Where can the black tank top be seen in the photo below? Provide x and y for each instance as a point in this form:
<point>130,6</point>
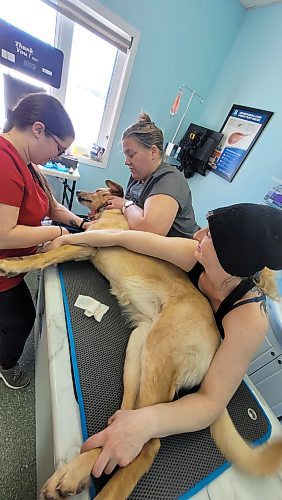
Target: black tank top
<point>229,302</point>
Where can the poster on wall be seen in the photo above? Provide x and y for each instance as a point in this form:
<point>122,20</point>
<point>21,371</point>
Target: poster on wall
<point>29,55</point>
<point>241,130</point>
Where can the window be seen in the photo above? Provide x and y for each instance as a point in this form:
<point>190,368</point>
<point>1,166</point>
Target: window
<point>98,57</point>
<point>89,79</point>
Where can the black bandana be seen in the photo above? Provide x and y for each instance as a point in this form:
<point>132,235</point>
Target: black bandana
<point>247,237</point>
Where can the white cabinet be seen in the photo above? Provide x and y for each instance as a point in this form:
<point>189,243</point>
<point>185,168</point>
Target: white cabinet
<point>265,370</point>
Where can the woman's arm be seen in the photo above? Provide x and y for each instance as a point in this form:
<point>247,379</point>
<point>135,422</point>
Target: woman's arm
<point>157,216</point>
<point>178,251</point>
<point>245,328</point>
<point>60,213</point>
<point>129,430</point>
<point>18,236</point>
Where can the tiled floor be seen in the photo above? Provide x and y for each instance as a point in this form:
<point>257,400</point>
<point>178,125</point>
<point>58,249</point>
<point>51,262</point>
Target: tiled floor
<point>17,431</point>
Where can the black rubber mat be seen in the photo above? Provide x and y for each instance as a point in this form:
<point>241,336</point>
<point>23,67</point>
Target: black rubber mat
<point>186,462</point>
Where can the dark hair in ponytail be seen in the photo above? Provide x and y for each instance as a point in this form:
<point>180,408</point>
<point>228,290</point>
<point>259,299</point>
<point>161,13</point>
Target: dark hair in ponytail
<point>146,133</point>
<point>40,107</point>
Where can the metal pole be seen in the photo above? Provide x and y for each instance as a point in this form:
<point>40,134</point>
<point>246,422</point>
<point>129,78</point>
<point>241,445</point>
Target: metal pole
<point>184,114</point>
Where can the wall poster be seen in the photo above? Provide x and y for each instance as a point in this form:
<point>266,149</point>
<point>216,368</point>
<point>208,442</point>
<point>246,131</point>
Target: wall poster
<point>241,130</point>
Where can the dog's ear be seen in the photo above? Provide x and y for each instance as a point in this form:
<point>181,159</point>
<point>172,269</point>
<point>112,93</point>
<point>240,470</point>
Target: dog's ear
<point>115,188</point>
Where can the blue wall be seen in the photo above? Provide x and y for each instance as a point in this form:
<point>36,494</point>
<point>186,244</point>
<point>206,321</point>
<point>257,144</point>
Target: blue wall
<point>251,76</point>
<point>182,42</point>
<point>229,55</point>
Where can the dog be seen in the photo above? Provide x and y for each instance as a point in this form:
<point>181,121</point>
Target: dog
<point>172,344</point>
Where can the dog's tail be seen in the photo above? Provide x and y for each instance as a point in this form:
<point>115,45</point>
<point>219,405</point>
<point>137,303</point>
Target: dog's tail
<point>260,461</point>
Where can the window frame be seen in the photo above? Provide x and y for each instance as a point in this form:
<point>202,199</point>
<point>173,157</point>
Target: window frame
<point>121,73</point>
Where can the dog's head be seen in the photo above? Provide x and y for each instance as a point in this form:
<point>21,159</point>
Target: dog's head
<point>96,200</point>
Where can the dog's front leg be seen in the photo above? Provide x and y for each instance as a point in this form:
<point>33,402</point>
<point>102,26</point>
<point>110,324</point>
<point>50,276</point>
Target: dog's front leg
<point>72,478</point>
<point>17,265</point>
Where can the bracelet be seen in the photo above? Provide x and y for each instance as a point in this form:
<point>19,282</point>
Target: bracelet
<point>61,231</point>
<point>81,224</point>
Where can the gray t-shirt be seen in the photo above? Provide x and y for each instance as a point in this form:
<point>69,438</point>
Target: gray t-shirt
<point>169,181</point>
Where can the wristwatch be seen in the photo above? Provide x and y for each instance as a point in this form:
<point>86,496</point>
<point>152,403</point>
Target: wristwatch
<point>127,204</point>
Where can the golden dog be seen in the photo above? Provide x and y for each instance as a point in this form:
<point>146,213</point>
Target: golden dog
<point>172,345</point>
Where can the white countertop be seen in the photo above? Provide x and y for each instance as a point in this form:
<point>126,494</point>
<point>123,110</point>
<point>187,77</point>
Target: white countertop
<point>230,485</point>
<point>54,172</point>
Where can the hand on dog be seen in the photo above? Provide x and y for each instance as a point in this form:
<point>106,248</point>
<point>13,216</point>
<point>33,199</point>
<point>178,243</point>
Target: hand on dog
<point>121,441</point>
<point>90,224</point>
<point>56,243</point>
<point>115,202</point>
<point>93,215</point>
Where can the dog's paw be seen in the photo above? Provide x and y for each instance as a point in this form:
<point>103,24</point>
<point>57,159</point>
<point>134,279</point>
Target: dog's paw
<point>64,483</point>
<point>8,267</point>
<point>72,478</point>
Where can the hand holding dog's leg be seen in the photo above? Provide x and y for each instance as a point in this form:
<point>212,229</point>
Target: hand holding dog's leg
<point>125,479</point>
<point>121,441</point>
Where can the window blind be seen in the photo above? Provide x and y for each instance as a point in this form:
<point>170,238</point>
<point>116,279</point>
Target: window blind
<point>80,13</point>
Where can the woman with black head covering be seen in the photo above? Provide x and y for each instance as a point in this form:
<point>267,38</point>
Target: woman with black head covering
<point>229,261</point>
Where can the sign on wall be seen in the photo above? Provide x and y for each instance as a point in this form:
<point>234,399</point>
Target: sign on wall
<point>241,130</point>
<point>27,54</point>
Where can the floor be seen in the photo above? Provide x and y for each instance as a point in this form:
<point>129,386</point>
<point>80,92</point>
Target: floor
<point>17,434</point>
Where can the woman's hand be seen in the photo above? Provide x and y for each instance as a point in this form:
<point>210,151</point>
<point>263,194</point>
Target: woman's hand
<point>89,225</point>
<point>56,243</point>
<point>121,441</point>
<point>115,202</point>
<point>93,215</point>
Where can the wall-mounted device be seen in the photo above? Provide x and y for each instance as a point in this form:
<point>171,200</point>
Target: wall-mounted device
<point>197,145</point>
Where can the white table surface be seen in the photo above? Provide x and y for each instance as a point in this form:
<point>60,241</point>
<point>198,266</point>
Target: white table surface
<point>54,172</point>
<point>230,485</point>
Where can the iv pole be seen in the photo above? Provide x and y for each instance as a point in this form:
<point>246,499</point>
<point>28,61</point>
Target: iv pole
<point>174,109</point>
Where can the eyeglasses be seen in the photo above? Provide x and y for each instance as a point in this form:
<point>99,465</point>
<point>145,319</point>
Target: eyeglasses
<point>61,151</point>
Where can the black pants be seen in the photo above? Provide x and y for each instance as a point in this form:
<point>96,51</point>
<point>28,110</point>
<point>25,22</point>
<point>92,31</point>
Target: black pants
<point>17,315</point>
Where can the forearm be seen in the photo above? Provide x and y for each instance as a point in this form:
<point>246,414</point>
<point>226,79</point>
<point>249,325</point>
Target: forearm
<point>94,238</point>
<point>60,213</point>
<point>137,241</point>
<point>188,414</point>
<point>178,251</point>
<point>138,221</point>
<point>157,216</point>
<point>135,218</point>
<point>26,236</point>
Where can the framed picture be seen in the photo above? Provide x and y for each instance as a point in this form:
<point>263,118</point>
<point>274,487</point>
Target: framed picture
<point>241,130</point>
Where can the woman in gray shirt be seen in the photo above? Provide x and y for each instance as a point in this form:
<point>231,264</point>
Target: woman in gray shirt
<point>158,198</point>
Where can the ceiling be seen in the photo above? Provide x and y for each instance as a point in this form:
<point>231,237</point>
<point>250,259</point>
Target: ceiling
<point>258,3</point>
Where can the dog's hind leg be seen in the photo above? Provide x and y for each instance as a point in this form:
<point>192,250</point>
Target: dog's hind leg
<point>14,266</point>
<point>73,477</point>
<point>156,385</point>
<point>132,365</point>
